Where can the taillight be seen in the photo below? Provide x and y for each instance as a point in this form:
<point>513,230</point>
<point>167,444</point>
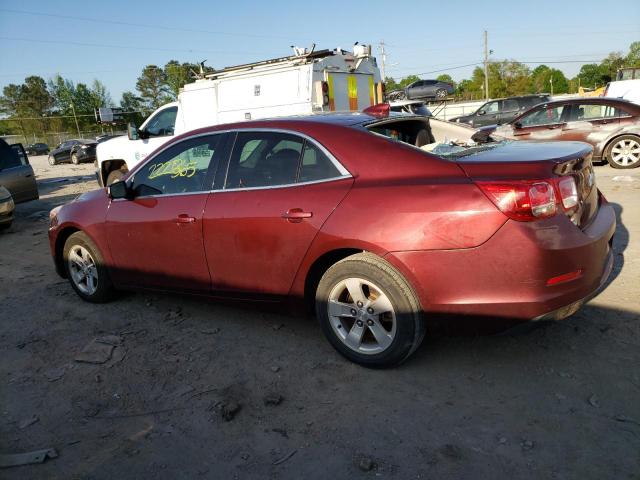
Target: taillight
<point>568,192</point>
<point>529,200</point>
<point>524,201</point>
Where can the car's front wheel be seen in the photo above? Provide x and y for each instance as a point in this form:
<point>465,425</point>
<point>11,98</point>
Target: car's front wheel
<point>86,270</point>
<point>624,152</point>
<point>368,312</point>
<point>441,94</point>
<point>52,160</point>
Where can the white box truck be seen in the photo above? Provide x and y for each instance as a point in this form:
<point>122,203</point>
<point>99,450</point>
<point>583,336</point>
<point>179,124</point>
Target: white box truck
<point>304,83</point>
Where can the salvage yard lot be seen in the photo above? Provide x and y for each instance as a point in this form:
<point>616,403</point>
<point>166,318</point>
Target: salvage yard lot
<point>197,389</point>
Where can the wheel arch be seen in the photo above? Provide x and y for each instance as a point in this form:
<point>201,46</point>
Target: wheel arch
<point>607,144</point>
<point>61,239</point>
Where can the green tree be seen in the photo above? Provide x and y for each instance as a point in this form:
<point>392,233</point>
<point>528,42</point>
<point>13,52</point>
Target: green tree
<point>611,64</point>
<point>445,78</point>
<point>591,75</point>
<point>633,57</point>
<point>133,106</point>
<point>100,94</point>
<point>152,85</point>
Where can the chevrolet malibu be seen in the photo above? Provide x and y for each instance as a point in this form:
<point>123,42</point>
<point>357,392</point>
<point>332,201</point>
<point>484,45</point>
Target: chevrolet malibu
<point>376,222</point>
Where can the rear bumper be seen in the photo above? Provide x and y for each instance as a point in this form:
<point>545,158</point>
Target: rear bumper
<point>507,275</point>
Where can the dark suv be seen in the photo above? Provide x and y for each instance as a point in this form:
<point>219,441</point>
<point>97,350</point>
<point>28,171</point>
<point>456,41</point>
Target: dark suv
<point>502,110</point>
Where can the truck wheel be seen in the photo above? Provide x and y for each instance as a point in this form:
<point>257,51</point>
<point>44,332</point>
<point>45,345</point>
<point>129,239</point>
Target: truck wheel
<point>624,152</point>
<point>114,176</point>
<point>74,158</point>
<point>368,311</point>
<point>52,160</point>
<point>86,270</point>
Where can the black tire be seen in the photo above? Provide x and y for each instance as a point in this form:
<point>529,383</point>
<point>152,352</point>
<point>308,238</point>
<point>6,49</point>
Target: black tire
<point>632,139</point>
<point>52,160</point>
<point>410,324</point>
<point>74,158</point>
<point>5,226</point>
<point>114,176</point>
<point>441,94</point>
<point>104,288</point>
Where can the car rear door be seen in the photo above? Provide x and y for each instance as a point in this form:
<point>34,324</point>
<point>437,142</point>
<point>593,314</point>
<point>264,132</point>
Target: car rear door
<point>590,120</point>
<point>508,110</point>
<point>267,207</point>
<point>155,239</point>
<point>16,175</point>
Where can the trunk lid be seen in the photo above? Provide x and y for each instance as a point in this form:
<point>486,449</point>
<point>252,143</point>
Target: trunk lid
<point>538,161</point>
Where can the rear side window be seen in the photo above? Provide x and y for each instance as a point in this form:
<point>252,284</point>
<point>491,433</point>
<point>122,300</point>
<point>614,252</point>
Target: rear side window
<point>271,159</point>
<point>593,112</point>
<point>10,156</point>
<point>510,105</point>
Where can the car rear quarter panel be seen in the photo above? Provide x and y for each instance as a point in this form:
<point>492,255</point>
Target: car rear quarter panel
<point>403,200</point>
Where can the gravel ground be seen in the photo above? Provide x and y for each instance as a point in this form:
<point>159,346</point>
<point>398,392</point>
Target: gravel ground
<point>196,389</point>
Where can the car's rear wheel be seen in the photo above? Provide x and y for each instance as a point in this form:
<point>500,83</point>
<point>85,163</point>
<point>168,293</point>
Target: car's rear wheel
<point>5,226</point>
<point>624,152</point>
<point>368,312</point>
<point>85,268</point>
<point>114,176</point>
<point>52,160</point>
<point>441,93</point>
<point>74,158</point>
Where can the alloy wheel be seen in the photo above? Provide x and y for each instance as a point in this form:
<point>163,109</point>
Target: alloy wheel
<point>626,152</point>
<point>83,270</point>
<point>362,316</point>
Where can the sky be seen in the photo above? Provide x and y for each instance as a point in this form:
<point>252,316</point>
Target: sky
<point>112,41</point>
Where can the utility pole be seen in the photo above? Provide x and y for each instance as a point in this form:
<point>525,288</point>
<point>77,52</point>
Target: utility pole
<point>551,82</point>
<point>486,67</point>
<point>75,118</point>
<point>384,60</point>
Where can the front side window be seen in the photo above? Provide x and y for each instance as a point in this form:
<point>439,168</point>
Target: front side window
<point>181,168</point>
<point>491,107</point>
<point>162,123</point>
<point>270,159</point>
<point>593,112</point>
<point>10,156</point>
<point>544,115</point>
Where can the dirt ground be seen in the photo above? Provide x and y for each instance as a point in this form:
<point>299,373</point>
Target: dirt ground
<point>196,389</point>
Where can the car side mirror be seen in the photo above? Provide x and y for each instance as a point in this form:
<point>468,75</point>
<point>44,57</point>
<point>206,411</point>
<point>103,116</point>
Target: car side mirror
<point>119,189</point>
<point>132,131</point>
<point>517,125</point>
<point>481,112</point>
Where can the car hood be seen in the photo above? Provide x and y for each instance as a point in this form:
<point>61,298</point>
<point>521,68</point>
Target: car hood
<point>112,148</point>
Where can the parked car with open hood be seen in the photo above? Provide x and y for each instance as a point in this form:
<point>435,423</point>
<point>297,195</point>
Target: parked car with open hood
<point>610,125</point>
<point>75,151</point>
<point>347,215</point>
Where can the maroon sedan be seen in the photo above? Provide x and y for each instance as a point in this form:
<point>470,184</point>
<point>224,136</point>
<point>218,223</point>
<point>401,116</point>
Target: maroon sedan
<point>344,214</point>
<point>610,125</point>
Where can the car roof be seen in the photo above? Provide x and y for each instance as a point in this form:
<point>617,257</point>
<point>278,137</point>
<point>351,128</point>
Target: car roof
<point>596,101</point>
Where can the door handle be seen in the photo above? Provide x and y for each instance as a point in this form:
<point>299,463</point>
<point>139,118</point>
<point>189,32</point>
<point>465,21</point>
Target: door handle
<point>184,218</point>
<point>295,215</point>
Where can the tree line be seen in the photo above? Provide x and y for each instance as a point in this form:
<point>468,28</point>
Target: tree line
<point>510,77</point>
<point>37,106</point>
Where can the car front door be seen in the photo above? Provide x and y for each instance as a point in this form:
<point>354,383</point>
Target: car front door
<point>487,114</point>
<point>276,193</point>
<point>155,239</point>
<point>16,175</point>
<point>543,123</point>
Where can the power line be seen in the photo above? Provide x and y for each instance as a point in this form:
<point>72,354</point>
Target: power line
<point>124,47</point>
<point>142,25</point>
